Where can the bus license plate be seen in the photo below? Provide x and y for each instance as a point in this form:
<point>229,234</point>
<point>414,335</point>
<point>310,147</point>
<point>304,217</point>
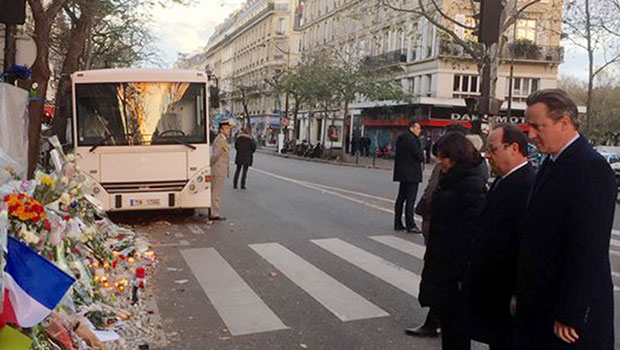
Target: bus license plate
<point>144,202</point>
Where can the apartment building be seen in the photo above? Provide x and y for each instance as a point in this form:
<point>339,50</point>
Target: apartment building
<point>247,53</point>
<point>431,67</point>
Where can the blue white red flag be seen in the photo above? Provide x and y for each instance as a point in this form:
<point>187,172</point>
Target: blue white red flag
<point>33,286</point>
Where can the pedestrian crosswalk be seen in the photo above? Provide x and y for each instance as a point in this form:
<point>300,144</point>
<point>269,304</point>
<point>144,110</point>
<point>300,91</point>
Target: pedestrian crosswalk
<point>244,312</point>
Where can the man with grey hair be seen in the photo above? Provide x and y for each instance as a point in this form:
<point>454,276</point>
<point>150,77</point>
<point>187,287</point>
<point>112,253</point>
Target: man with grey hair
<point>565,291</point>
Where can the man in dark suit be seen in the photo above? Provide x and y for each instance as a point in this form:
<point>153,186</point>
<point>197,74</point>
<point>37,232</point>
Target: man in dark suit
<point>565,290</point>
<point>494,280</point>
<point>408,171</point>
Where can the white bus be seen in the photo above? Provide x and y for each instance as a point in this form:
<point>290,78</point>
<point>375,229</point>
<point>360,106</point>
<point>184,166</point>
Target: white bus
<point>142,135</point>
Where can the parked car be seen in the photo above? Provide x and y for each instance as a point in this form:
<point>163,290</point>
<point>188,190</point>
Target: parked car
<point>614,161</point>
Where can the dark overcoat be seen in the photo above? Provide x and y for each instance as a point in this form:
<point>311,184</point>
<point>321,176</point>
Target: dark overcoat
<point>564,272</point>
<point>456,203</point>
<point>245,146</point>
<point>408,158</point>
<point>497,240</point>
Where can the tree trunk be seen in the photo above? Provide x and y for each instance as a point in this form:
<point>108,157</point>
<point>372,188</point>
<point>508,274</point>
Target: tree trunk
<point>40,75</point>
<point>77,43</point>
<point>590,68</point>
<point>295,112</point>
<point>345,131</point>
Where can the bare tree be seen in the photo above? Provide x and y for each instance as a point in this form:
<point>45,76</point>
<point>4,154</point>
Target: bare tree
<point>43,17</point>
<point>594,26</point>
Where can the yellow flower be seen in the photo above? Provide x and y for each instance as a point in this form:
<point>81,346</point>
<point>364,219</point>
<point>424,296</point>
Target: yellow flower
<point>46,180</point>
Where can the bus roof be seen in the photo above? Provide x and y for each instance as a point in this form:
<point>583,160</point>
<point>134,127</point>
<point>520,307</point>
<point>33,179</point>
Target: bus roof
<point>116,75</point>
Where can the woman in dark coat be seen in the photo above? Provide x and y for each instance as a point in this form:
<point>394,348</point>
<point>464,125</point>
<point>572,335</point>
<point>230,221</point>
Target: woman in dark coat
<point>245,146</point>
<point>456,203</point>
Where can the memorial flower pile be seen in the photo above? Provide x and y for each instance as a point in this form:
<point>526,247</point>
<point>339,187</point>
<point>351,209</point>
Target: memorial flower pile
<point>108,266</point>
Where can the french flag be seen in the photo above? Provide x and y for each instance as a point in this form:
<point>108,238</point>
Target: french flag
<point>33,286</point>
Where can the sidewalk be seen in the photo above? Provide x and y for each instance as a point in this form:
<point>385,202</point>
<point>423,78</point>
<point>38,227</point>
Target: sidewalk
<point>363,162</point>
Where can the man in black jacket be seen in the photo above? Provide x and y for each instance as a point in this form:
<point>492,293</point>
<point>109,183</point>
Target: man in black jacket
<point>245,146</point>
<point>565,290</point>
<point>494,280</point>
<point>408,171</point>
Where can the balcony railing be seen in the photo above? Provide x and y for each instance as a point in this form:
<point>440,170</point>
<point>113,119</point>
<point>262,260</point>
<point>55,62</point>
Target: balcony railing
<point>387,59</point>
<point>523,51</point>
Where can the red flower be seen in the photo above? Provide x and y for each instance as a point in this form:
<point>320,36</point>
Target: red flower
<point>140,272</point>
<point>121,236</point>
<point>47,224</point>
<point>114,264</point>
<point>67,217</point>
<point>75,250</point>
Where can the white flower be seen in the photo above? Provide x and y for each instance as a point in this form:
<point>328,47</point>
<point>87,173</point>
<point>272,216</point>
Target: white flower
<point>29,236</point>
<point>64,180</point>
<point>75,266</point>
<point>65,199</point>
<point>70,158</point>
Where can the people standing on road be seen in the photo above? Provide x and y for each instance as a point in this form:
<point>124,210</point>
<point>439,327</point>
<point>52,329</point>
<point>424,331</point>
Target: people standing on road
<point>431,326</point>
<point>245,147</point>
<point>455,206</point>
<point>497,240</point>
<point>565,290</point>
<point>366,146</point>
<point>355,144</point>
<point>408,172</point>
<point>219,168</point>
<point>428,146</point>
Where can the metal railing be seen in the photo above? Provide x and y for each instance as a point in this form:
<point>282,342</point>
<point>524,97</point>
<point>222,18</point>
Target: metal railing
<point>522,51</point>
<point>386,59</point>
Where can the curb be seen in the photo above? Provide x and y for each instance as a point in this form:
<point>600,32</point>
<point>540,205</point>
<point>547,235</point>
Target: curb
<point>289,156</point>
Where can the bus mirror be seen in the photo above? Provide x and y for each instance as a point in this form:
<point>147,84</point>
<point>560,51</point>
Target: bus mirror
<point>214,97</point>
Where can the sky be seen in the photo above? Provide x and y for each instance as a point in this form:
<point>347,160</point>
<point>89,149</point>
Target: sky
<point>186,29</point>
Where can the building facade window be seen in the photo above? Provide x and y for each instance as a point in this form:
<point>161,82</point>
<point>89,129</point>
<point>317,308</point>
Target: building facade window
<point>526,30</point>
<point>465,85</point>
<point>522,88</point>
<point>281,26</point>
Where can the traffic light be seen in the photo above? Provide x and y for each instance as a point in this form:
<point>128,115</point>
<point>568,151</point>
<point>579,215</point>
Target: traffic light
<point>12,11</point>
<point>489,21</point>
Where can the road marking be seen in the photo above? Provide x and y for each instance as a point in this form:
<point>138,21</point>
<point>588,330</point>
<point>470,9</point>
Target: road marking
<point>402,245</point>
<point>181,243</point>
<point>361,194</point>
<point>395,275</point>
<point>328,190</point>
<point>240,308</point>
<point>336,297</point>
<point>196,229</point>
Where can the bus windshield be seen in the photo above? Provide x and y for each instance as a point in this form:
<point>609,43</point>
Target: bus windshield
<point>140,113</point>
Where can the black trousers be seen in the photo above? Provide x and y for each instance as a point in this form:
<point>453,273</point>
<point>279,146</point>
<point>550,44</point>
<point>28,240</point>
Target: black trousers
<point>243,176</point>
<point>407,193</point>
<point>454,334</point>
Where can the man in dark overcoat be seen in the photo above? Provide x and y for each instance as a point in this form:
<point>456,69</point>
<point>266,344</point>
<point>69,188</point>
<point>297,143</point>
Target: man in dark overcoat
<point>494,277</point>
<point>408,172</point>
<point>565,289</point>
<point>245,147</point>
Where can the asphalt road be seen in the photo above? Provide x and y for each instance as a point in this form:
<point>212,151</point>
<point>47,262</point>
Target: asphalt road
<point>306,260</point>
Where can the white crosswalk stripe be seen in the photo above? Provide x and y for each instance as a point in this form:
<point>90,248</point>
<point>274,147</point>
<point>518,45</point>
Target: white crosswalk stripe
<point>402,245</point>
<point>337,298</point>
<point>240,308</point>
<point>244,312</point>
<point>395,275</point>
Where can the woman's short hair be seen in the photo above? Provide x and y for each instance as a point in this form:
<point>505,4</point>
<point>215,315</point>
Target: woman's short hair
<point>456,147</point>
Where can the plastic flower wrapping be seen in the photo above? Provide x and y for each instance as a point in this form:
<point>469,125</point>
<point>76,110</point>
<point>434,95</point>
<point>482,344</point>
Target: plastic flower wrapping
<point>55,217</point>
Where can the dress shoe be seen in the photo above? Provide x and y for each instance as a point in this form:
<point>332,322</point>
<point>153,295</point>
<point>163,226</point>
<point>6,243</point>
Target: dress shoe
<point>235,187</point>
<point>217,218</point>
<point>414,230</point>
<point>243,187</point>
<point>422,331</point>
<point>399,228</point>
